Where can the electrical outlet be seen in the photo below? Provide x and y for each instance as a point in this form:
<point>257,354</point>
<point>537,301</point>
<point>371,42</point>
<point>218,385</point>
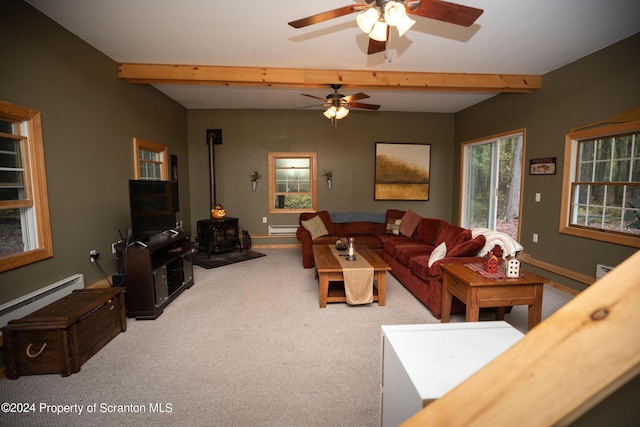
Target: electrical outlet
<point>537,197</point>
<point>93,255</point>
<point>535,238</point>
<point>264,219</point>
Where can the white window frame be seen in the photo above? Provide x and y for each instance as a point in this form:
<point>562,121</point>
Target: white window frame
<point>572,141</point>
<point>494,141</point>
<point>159,150</point>
<point>312,156</point>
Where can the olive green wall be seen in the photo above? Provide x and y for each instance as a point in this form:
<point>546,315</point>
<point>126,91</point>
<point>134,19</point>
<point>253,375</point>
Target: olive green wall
<point>591,89</point>
<point>348,151</point>
<point>90,117</point>
<point>89,120</point>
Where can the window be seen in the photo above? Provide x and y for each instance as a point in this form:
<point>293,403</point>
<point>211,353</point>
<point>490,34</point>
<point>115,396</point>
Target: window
<point>491,183</point>
<point>25,230</point>
<point>601,184</point>
<point>292,182</point>
<point>150,160</point>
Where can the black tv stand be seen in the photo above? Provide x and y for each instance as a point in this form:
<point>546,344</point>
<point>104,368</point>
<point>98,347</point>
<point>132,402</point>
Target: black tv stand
<point>155,271</point>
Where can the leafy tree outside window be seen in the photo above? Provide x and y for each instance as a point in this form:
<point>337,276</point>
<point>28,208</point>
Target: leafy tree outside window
<point>491,183</point>
<point>292,182</point>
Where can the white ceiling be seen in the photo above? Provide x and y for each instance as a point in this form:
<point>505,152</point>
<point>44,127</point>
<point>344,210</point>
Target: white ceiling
<point>510,37</point>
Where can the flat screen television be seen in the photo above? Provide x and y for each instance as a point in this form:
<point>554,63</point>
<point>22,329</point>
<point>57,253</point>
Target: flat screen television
<point>152,208</point>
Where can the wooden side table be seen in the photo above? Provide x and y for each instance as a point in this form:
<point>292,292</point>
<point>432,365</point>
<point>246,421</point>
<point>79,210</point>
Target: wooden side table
<point>478,291</point>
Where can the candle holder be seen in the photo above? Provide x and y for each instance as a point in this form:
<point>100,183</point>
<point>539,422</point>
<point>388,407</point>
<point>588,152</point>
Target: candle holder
<point>351,254</point>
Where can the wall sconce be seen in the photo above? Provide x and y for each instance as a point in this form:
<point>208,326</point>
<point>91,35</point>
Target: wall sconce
<point>328,175</point>
<point>255,176</point>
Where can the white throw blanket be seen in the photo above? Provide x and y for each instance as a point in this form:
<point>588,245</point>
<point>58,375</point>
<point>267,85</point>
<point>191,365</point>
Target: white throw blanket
<point>508,244</point>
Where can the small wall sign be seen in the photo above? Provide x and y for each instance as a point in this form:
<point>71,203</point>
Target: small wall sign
<point>542,166</point>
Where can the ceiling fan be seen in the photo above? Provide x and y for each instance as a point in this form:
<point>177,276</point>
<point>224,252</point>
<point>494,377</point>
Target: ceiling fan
<point>377,16</point>
<point>338,104</point>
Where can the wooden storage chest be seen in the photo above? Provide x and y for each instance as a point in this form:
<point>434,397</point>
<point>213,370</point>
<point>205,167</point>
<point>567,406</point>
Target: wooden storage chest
<point>62,336</point>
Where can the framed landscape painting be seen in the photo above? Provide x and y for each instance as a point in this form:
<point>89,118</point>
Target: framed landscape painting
<point>402,171</point>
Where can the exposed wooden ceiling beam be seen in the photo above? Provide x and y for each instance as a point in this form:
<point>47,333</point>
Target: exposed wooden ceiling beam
<point>298,77</point>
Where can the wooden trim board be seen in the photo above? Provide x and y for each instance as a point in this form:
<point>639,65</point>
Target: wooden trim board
<point>299,77</point>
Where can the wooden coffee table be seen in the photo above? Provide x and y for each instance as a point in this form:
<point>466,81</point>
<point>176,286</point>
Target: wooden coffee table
<point>478,291</point>
<point>329,273</point>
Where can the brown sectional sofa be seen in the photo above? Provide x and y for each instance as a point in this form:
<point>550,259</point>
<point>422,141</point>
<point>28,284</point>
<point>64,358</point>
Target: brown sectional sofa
<point>408,254</point>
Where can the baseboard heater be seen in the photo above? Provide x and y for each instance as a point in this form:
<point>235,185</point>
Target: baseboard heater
<point>27,304</point>
<point>282,230</point>
<point>601,270</point>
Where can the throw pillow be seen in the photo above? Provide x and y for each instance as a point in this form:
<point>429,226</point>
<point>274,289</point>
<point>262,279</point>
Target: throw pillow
<point>393,226</point>
<point>438,253</point>
<point>468,248</point>
<point>453,235</point>
<point>409,223</point>
<point>315,226</point>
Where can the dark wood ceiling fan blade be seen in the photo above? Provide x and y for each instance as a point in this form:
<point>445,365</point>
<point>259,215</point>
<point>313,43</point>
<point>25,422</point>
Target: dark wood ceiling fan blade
<point>375,46</point>
<point>354,97</point>
<point>447,12</point>
<point>325,16</point>
<point>364,106</point>
<point>314,97</point>
<point>310,106</point>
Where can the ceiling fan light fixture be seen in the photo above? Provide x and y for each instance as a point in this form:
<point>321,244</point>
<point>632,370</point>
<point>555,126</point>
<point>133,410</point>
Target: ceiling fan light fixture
<point>379,32</point>
<point>404,25</point>
<point>367,19</point>
<point>330,113</point>
<point>342,112</point>
<point>394,12</point>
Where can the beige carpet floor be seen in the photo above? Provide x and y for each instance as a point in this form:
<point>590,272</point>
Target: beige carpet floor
<point>247,345</point>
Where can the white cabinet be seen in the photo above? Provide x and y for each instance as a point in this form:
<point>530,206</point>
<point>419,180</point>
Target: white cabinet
<point>420,363</point>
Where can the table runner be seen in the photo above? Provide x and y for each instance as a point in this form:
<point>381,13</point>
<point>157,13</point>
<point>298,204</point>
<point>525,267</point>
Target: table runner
<point>358,277</point>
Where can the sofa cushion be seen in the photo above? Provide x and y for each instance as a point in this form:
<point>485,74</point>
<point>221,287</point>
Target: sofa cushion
<point>404,253</point>
<point>429,229</point>
<point>391,243</point>
<point>356,228</point>
<point>366,239</point>
<point>409,223</point>
<point>420,267</point>
<point>395,214</point>
<point>453,235</point>
<point>315,226</point>
<point>468,248</point>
